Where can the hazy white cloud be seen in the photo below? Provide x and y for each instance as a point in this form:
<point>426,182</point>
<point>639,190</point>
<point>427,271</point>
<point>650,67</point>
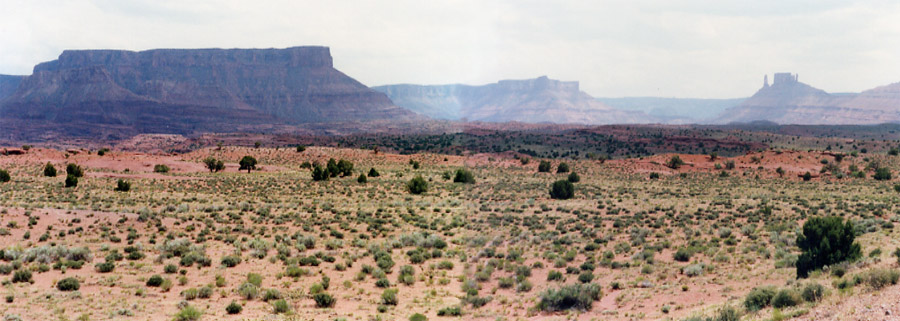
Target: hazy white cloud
<point>690,48</point>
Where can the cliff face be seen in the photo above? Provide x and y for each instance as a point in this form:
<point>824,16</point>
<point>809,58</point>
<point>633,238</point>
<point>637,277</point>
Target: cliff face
<point>788,101</point>
<point>224,86</point>
<point>537,100</point>
<point>8,85</point>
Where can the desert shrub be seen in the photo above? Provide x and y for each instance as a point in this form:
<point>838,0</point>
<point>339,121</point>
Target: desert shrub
<point>785,298</point>
<point>882,174</point>
<point>544,166</point>
<point>155,281</point>
<point>4,176</point>
<point>248,163</point>
<point>362,179</point>
<point>682,255</point>
<point>190,294</point>
<point>49,170</point>
<point>464,176</point>
<point>231,260</point>
<point>418,317</point>
<point>729,165</point>
<point>554,276</point>
<point>21,276</point>
<point>105,267</point>
<point>254,279</point>
<point>271,294</point>
<point>205,292</point>
<point>759,298</point>
<point>160,168</point>
<point>880,278</point>
<point>453,311</point>
<point>248,291</point>
<point>574,178</point>
<point>726,314</point>
<point>675,162</point>
<point>234,308</point>
<point>562,189</point>
<point>389,297</point>
<point>373,172</point>
<point>122,186</point>
<point>578,296</point>
<point>344,167</point>
<point>280,306</point>
<point>693,270</point>
<point>324,300</point>
<point>813,292</point>
<point>654,175</point>
<point>74,170</point>
<point>68,284</point>
<point>71,181</point>
<point>562,168</point>
<point>825,241</point>
<point>188,313</point>
<point>417,185</point>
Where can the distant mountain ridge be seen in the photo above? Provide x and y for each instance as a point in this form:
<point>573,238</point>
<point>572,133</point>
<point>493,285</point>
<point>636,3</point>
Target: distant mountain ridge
<point>539,100</point>
<point>789,101</point>
<point>188,90</point>
<point>675,110</point>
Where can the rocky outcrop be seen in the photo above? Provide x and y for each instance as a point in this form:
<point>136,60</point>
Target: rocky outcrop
<point>789,101</point>
<point>8,85</point>
<point>178,90</point>
<point>539,100</point>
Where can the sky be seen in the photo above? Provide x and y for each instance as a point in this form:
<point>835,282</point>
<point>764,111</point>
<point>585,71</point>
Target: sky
<point>614,48</point>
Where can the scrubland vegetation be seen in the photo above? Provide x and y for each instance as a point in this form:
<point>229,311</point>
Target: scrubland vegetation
<point>352,234</point>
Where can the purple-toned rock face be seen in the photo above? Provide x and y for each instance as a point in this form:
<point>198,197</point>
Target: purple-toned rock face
<point>196,89</point>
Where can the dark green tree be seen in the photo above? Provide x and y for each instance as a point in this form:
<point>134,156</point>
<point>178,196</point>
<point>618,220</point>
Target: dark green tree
<point>544,167</point>
<point>248,163</point>
<point>74,169</point>
<point>825,241</point>
<point>464,176</point>
<point>211,163</point>
<point>345,167</point>
<point>362,179</point>
<point>562,190</point>
<point>807,176</point>
<point>562,168</point>
<point>675,162</point>
<point>882,174</point>
<point>373,172</point>
<point>319,173</point>
<point>332,168</point>
<point>574,178</point>
<point>122,186</point>
<point>417,185</point>
<point>71,180</point>
<point>4,176</point>
<point>301,148</point>
<point>49,170</point>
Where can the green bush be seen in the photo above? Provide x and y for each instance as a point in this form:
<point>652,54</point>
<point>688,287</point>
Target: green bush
<point>21,276</point>
<point>880,278</point>
<point>71,180</point>
<point>562,168</point>
<point>813,292</point>
<point>759,298</point>
<point>234,308</point>
<point>105,267</point>
<point>49,170</point>
<point>248,163</point>
<point>4,176</point>
<point>882,174</point>
<point>373,172</point>
<point>324,300</point>
<point>578,296</point>
<point>544,167</point>
<point>675,162</point>
<point>280,306</point>
<point>231,260</point>
<point>417,185</point>
<point>188,313</point>
<point>464,176</point>
<point>562,189</point>
<point>68,284</point>
<point>362,179</point>
<point>785,298</point>
<point>453,311</point>
<point>160,168</point>
<point>825,241</point>
<point>682,255</point>
<point>389,297</point>
<point>74,170</point>
<point>418,317</point>
<point>155,281</point>
<point>574,178</point>
<point>122,186</point>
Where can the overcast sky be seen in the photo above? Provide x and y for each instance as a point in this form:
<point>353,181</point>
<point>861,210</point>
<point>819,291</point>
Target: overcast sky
<point>694,48</point>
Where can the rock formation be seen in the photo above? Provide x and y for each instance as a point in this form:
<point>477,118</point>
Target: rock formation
<point>789,101</point>
<point>187,90</point>
<point>539,100</point>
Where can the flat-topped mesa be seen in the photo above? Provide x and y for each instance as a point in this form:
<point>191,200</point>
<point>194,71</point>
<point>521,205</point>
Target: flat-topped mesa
<point>540,83</point>
<point>303,57</point>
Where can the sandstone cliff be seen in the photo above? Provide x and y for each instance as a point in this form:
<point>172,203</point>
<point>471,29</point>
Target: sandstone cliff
<point>8,85</point>
<point>184,90</point>
<point>537,100</point>
<point>789,101</point>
